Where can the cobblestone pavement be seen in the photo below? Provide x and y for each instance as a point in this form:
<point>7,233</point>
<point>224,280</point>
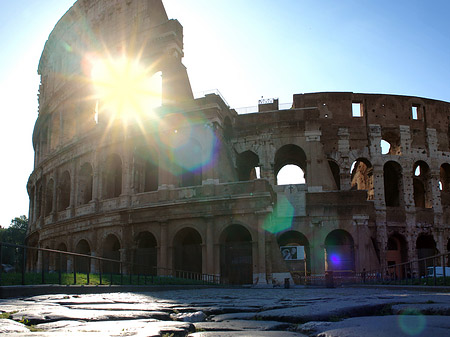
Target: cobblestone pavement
<point>231,312</point>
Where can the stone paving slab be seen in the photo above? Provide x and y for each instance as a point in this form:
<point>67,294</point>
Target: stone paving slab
<point>238,325</point>
<point>247,334</point>
<point>249,312</point>
<point>381,326</point>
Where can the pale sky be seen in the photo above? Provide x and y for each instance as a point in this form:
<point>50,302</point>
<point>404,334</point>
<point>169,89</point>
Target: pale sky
<point>246,49</point>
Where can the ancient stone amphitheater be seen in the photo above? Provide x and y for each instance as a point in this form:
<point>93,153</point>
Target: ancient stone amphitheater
<point>173,182</point>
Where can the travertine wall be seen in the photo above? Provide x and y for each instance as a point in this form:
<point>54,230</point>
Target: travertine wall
<point>182,191</point>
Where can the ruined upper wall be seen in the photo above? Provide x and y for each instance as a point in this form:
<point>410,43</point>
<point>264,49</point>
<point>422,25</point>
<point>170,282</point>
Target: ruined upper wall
<point>388,111</point>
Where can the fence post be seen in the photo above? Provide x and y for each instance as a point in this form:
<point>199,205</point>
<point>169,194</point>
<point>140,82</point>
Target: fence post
<point>434,271</point>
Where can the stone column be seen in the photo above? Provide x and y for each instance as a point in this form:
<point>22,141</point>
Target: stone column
<point>343,148</point>
<point>261,277</point>
<point>209,220</point>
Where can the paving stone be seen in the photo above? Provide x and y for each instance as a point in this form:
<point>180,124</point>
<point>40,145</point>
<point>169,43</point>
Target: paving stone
<point>382,326</point>
<point>10,326</point>
<point>237,325</point>
<point>247,334</point>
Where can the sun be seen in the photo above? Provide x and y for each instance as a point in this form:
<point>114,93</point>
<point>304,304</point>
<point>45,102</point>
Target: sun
<point>125,89</point>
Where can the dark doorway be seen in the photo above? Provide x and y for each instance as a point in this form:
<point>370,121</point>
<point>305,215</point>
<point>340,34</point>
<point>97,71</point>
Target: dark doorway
<point>188,251</point>
<point>145,256</point>
<point>339,251</point>
<point>111,250</point>
<point>426,247</point>
<point>82,264</point>
<point>236,260</point>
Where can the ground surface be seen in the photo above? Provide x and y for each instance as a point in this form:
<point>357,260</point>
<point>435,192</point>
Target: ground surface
<point>231,312</point>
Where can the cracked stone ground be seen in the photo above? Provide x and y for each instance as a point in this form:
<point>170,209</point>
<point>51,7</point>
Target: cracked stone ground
<point>231,312</point>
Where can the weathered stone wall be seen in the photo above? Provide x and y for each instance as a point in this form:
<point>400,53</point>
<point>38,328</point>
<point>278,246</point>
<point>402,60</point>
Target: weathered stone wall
<point>185,186</point>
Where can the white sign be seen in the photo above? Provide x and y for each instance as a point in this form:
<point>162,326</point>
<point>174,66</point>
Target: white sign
<point>293,252</point>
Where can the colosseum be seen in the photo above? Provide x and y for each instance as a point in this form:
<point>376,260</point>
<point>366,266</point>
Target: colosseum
<point>129,165</point>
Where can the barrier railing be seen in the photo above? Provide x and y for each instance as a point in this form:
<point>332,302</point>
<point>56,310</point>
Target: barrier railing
<point>55,267</point>
<point>432,270</point>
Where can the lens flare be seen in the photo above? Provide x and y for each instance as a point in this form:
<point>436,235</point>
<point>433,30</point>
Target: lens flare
<point>125,89</point>
<point>335,259</point>
<point>412,322</point>
<point>284,214</point>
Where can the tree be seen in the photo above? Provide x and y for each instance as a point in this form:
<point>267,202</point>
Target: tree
<point>14,234</point>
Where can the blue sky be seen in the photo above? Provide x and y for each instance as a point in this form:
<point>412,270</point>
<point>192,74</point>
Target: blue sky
<point>245,49</point>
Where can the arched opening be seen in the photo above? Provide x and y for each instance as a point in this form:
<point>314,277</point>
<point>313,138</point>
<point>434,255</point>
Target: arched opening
<point>335,171</point>
<point>444,184</point>
<point>61,259</point>
<point>294,158</point>
<point>426,247</point>
<point>145,256</point>
<point>189,157</point>
<point>294,247</point>
<point>236,259</point>
<point>390,143</point>
<point>227,129</point>
<point>82,264</point>
<point>54,131</point>
<point>64,192</point>
<point>146,165</point>
<point>188,251</point>
<point>39,201</point>
<point>362,176</point>
<point>49,197</point>
<point>339,251</point>
<point>422,185</point>
<point>393,186</point>
<point>85,184</point>
<point>396,253</point>
<point>247,163</point>
<point>112,177</point>
<point>111,250</point>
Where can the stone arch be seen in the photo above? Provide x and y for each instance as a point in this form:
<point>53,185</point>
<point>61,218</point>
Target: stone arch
<point>228,132</point>
<point>396,253</point>
<point>146,255</point>
<point>339,251</point>
<point>49,190</point>
<point>61,259</point>
<point>85,184</point>
<point>236,256</point>
<point>39,197</point>
<point>146,165</point>
<point>392,137</point>
<point>82,264</point>
<point>445,183</point>
<point>393,185</point>
<point>422,185</point>
<point>112,177</point>
<point>190,162</point>
<point>336,172</point>
<point>426,247</point>
<point>295,238</point>
<point>187,245</point>
<point>290,154</point>
<point>111,250</point>
<point>362,176</point>
<point>64,191</point>
<point>247,162</point>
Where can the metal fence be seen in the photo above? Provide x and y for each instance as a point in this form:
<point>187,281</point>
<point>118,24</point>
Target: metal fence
<point>433,270</point>
<point>54,265</point>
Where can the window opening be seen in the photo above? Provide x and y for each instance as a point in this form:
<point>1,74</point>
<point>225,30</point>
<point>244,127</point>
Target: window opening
<point>357,109</point>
